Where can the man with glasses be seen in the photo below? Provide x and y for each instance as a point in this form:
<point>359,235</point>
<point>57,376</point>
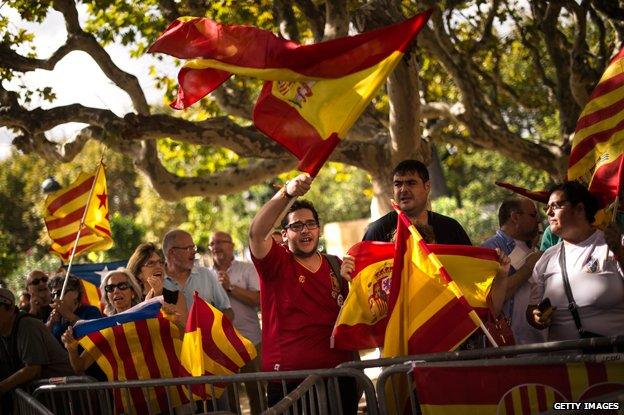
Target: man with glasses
<point>300,294</point>
<point>517,238</point>
<point>37,286</point>
<point>240,280</point>
<point>411,187</point>
<point>183,275</point>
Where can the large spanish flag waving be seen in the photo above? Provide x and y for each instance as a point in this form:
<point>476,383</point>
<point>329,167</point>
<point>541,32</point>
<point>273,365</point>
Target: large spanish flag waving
<point>362,321</point>
<point>212,346</point>
<point>313,94</point>
<point>137,344</point>
<point>596,155</point>
<point>65,209</point>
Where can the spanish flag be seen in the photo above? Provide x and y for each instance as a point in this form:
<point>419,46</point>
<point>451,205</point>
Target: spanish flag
<point>362,321</point>
<point>137,344</point>
<point>65,209</point>
<point>505,387</point>
<point>212,346</point>
<point>596,154</point>
<point>313,94</point>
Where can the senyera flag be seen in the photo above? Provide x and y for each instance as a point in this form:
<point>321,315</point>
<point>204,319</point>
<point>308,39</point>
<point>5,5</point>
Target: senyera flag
<point>313,94</point>
<point>362,321</point>
<point>65,209</point>
<point>138,344</point>
<point>507,387</point>
<point>596,154</point>
<point>90,276</point>
<point>212,346</point>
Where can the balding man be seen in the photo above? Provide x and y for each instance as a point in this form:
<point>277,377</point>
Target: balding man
<point>182,274</point>
<point>240,280</point>
<point>40,297</point>
<point>519,226</point>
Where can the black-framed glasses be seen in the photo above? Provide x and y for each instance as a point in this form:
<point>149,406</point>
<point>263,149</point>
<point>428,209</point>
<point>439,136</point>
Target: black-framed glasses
<point>190,248</point>
<point>111,287</point>
<point>36,281</point>
<point>556,205</point>
<point>57,293</point>
<point>298,226</point>
<point>153,262</point>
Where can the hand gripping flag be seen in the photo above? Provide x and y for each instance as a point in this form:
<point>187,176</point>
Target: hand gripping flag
<point>212,346</point>
<point>596,154</point>
<point>90,276</point>
<point>65,208</point>
<point>137,344</point>
<point>313,94</point>
<point>362,321</point>
<point>513,389</point>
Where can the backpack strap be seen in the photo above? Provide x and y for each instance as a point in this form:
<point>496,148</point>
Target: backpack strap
<point>334,263</point>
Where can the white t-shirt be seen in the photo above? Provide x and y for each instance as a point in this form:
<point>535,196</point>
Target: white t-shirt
<point>597,286</point>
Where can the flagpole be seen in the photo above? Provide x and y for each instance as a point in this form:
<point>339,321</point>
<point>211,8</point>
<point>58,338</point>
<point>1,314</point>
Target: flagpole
<point>84,215</point>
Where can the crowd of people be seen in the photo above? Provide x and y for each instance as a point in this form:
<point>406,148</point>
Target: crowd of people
<point>568,287</point>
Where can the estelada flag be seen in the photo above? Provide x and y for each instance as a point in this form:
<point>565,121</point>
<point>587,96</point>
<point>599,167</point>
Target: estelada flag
<point>65,208</point>
<point>313,94</point>
<point>90,276</point>
<point>212,346</point>
<point>138,344</point>
<point>427,310</point>
<point>598,144</point>
<point>362,321</point>
<point>511,388</point>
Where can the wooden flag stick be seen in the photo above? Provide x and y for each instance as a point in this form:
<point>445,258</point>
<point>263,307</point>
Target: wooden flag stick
<point>280,217</point>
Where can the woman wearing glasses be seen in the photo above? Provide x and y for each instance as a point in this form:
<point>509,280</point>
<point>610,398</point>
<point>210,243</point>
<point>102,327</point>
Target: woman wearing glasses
<point>70,309</point>
<point>577,286</point>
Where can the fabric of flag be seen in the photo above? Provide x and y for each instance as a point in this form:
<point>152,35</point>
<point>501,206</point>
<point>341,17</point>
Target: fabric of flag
<point>596,154</point>
<point>313,94</point>
<point>513,389</point>
<point>138,344</point>
<point>362,321</point>
<point>90,276</point>
<point>540,196</point>
<point>212,346</point>
<point>427,311</point>
<point>64,209</point>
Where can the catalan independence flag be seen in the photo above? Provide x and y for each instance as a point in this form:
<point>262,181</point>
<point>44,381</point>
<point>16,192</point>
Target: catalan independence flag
<point>313,94</point>
<point>212,346</point>
<point>90,276</point>
<point>137,344</point>
<point>362,321</point>
<point>596,154</point>
<point>513,389</point>
<point>65,208</point>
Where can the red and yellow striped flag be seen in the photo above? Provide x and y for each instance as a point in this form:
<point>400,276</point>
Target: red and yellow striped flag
<point>513,389</point>
<point>66,207</point>
<point>138,344</point>
<point>427,310</point>
<point>212,346</point>
<point>362,321</point>
<point>314,92</point>
<point>596,154</point>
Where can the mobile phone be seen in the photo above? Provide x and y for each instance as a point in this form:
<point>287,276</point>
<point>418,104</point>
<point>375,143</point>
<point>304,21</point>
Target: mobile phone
<point>544,305</point>
<point>170,296</point>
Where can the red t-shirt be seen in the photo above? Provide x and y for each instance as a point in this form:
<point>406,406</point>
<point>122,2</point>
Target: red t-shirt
<point>299,309</point>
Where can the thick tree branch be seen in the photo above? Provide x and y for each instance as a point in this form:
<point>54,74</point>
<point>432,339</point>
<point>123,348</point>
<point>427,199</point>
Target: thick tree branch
<point>285,20</point>
<point>314,16</point>
<point>336,19</point>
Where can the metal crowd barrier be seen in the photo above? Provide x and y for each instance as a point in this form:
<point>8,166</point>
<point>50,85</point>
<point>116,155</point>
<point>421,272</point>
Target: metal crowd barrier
<point>401,379</point>
<point>26,404</point>
<point>318,394</point>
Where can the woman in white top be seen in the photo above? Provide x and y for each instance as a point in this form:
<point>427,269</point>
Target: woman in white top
<point>593,260</point>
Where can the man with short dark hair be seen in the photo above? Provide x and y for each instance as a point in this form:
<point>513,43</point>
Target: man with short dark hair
<point>184,276</point>
<point>519,225</point>
<point>411,187</point>
<point>300,293</point>
<point>28,351</point>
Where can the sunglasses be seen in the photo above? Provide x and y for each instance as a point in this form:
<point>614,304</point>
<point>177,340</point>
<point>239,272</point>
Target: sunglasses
<point>111,287</point>
<point>36,281</point>
<point>57,294</point>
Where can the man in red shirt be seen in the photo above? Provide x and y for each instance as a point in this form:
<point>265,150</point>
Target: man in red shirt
<point>300,295</point>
